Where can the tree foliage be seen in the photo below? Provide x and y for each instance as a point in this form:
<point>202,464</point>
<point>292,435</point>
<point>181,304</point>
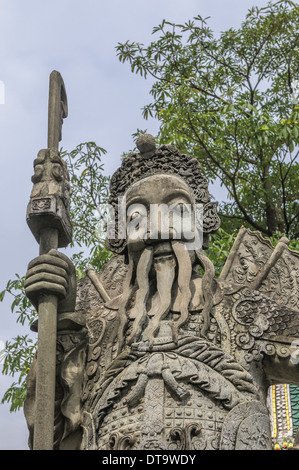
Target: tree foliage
<point>19,351</point>
<point>229,101</point>
<point>90,191</point>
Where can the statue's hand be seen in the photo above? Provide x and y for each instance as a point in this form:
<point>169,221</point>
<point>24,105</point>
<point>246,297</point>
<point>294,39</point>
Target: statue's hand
<point>52,273</point>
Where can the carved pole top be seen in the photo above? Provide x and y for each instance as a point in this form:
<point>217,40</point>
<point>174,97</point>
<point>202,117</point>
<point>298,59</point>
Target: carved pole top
<point>49,202</point>
<point>57,109</point>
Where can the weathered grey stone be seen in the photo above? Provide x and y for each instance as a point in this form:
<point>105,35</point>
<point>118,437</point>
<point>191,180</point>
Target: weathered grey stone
<point>169,359</point>
<point>48,219</point>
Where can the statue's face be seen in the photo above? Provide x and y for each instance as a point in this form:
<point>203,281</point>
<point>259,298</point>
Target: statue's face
<point>159,208</point>
<point>163,248</point>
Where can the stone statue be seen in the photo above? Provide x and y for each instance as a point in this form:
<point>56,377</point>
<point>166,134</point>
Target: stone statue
<point>153,352</point>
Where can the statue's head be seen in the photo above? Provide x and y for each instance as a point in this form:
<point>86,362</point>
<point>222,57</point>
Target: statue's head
<point>160,194</point>
<point>159,208</point>
<point>163,217</point>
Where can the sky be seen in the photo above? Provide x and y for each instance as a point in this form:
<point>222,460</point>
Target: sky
<point>104,99</point>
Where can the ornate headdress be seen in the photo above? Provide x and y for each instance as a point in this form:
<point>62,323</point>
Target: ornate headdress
<point>165,159</point>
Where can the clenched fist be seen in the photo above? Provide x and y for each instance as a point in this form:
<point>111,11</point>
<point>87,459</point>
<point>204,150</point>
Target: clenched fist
<point>52,273</point>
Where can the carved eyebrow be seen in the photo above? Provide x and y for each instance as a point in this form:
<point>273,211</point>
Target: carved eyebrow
<point>175,192</point>
<point>137,199</point>
<point>179,192</point>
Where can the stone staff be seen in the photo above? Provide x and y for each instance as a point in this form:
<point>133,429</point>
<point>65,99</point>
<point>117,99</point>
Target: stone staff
<point>49,220</point>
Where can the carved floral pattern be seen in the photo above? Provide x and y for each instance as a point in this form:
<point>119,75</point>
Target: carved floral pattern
<point>118,441</point>
<point>182,437</point>
<point>265,318</point>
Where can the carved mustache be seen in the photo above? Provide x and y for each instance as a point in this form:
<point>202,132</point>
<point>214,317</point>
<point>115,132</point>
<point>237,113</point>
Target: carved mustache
<point>168,264</point>
<point>165,271</point>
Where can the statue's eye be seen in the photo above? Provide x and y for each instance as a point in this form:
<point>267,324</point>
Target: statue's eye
<point>135,215</point>
<point>180,208</point>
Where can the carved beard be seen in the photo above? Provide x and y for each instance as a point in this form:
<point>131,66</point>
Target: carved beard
<point>168,268</point>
